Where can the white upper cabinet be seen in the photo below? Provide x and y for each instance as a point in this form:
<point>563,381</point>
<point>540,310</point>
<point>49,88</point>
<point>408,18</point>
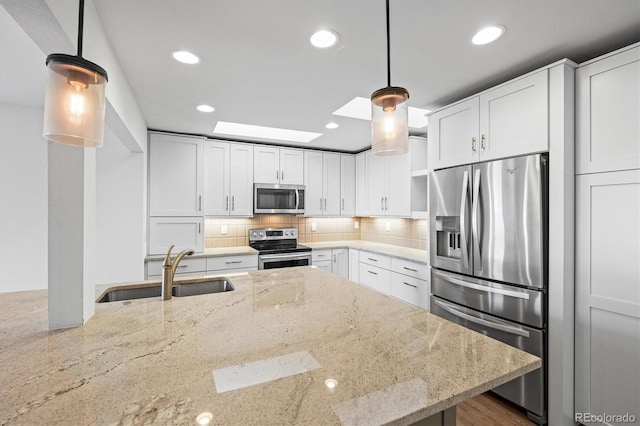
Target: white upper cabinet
<point>362,190</point>
<point>322,183</point>
<point>347,185</point>
<point>216,178</point>
<point>453,135</point>
<point>228,183</point>
<point>509,120</point>
<point>278,165</point>
<point>607,111</point>
<point>291,167</point>
<point>389,185</point>
<point>241,179</point>
<point>514,118</point>
<point>175,175</point>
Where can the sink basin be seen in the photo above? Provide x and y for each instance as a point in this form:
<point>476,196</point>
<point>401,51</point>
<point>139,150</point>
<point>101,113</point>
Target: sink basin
<point>216,285</point>
<point>205,287</point>
<point>130,293</point>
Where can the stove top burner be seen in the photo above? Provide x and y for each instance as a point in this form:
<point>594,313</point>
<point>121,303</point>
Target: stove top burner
<point>276,240</point>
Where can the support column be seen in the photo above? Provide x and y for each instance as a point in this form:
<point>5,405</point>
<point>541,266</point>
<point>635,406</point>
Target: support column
<point>72,229</point>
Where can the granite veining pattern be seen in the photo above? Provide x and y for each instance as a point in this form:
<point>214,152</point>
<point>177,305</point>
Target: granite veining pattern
<point>151,362</point>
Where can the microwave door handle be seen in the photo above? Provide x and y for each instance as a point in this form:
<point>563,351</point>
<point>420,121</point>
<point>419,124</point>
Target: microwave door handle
<point>474,220</point>
<point>485,323</point>
<point>297,199</point>
<point>463,220</point>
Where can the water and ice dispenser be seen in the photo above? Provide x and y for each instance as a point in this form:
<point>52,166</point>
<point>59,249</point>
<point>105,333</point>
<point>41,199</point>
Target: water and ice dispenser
<point>448,236</point>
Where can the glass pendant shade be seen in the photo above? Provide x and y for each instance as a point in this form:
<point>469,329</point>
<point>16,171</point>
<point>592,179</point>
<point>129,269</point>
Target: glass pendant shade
<point>389,121</point>
<point>74,106</point>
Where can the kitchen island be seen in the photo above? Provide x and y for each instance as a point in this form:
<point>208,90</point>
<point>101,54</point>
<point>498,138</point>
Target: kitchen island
<point>287,346</point>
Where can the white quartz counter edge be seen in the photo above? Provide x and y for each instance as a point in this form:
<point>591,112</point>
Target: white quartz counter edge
<point>415,255</point>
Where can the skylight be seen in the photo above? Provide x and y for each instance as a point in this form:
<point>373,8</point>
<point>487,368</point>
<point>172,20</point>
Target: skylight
<point>262,132</point>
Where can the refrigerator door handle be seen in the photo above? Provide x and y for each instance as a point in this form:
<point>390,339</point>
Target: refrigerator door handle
<point>485,323</point>
<point>474,220</point>
<point>463,228</point>
<point>480,287</point>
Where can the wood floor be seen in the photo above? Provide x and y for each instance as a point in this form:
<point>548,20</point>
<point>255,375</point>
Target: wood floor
<point>488,409</point>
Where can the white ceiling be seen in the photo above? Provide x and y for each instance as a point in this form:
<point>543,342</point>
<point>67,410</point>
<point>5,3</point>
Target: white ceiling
<point>257,66</point>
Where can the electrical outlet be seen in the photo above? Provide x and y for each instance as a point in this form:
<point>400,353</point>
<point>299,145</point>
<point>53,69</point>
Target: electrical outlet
<point>356,225</point>
<point>314,227</point>
<point>388,226</point>
<point>223,229</point>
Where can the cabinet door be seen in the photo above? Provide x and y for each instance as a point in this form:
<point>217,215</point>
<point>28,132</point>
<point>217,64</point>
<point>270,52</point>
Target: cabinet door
<point>453,135</point>
<point>241,180</point>
<point>398,196</point>
<point>607,111</point>
<point>514,118</point>
<point>331,184</point>
<point>175,175</point>
<point>376,184</point>
<point>347,185</point>
<point>291,167</point>
<point>313,199</point>
<point>354,265</point>
<point>362,193</point>
<point>183,232</point>
<point>340,262</point>
<point>607,327</point>
<point>266,165</point>
<point>216,178</point>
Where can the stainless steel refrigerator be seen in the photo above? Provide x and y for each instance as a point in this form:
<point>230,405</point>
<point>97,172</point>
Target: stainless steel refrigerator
<point>488,251</point>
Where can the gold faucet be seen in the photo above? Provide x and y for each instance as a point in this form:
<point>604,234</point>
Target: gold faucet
<point>169,270</point>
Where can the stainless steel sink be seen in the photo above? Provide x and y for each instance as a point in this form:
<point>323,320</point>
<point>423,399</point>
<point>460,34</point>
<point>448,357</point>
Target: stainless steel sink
<point>217,285</point>
<point>130,293</point>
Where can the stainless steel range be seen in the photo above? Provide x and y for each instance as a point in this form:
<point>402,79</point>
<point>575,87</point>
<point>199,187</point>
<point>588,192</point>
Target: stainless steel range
<point>279,248</point>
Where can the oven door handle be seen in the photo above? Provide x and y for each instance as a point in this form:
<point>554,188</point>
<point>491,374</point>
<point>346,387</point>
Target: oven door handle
<point>284,256</point>
<point>485,323</point>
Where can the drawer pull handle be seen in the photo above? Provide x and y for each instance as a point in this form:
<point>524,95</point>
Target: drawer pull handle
<point>371,272</point>
<point>374,260</point>
<point>409,269</point>
<point>410,285</point>
<point>233,262</point>
<point>183,266</point>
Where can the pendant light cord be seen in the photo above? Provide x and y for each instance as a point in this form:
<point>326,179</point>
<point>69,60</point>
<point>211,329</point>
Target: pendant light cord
<point>388,49</point>
<point>81,26</point>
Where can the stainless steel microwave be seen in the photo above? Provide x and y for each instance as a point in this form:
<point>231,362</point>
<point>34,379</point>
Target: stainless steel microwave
<point>274,198</point>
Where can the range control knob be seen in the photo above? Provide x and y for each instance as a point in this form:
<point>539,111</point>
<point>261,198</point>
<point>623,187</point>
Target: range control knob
<point>286,233</point>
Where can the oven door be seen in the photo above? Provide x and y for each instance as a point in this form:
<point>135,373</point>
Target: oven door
<point>284,260</point>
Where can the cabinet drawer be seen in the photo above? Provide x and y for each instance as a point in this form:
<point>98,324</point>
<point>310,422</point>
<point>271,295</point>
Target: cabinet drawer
<point>374,277</point>
<point>375,259</point>
<point>185,266</point>
<point>320,255</point>
<point>323,264</point>
<point>232,262</point>
<point>409,289</point>
<point>407,267</point>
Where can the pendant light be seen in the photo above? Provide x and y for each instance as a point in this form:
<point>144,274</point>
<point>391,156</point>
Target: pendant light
<point>389,114</point>
<point>75,100</point>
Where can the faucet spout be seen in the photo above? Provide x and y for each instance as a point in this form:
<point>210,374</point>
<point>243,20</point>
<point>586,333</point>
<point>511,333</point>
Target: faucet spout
<point>169,270</point>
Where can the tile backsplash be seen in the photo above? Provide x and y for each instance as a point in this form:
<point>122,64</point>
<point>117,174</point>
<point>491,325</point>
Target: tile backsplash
<point>402,232</point>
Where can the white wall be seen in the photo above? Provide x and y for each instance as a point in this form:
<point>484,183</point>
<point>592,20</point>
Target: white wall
<point>23,199</point>
<point>120,215</point>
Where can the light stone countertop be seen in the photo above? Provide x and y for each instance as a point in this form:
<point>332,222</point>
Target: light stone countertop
<point>412,254</point>
<point>258,355</point>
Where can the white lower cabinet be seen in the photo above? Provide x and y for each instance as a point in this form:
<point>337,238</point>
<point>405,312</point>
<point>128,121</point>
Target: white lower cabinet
<point>183,232</point>
<point>233,264</point>
<point>354,265</point>
<point>186,268</point>
<point>340,262</point>
<point>377,278</point>
<point>321,259</point>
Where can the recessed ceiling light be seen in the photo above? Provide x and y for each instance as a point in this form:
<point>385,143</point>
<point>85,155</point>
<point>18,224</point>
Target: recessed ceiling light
<point>488,34</point>
<point>185,57</point>
<point>205,108</point>
<point>360,108</point>
<point>262,132</point>
<point>324,38</point>
<point>332,125</point>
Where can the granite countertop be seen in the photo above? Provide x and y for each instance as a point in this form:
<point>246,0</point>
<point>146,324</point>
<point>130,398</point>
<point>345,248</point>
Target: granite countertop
<point>258,355</point>
<point>412,254</point>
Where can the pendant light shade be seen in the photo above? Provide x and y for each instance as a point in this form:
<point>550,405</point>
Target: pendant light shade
<point>389,114</point>
<point>74,107</point>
